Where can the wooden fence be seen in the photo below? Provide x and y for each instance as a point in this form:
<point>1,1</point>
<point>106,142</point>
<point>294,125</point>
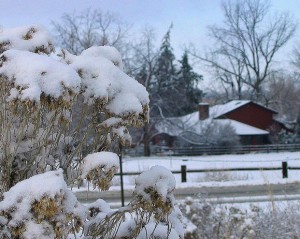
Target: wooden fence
<point>184,171</point>
<point>218,150</point>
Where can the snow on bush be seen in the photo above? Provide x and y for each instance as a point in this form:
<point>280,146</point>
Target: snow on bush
<point>278,220</point>
<point>40,98</point>
<point>41,145</point>
<point>41,207</point>
<point>99,168</point>
<point>151,214</point>
<point>34,82</point>
<point>29,38</point>
<point>104,82</point>
<point>158,232</point>
<point>107,52</point>
<point>154,190</point>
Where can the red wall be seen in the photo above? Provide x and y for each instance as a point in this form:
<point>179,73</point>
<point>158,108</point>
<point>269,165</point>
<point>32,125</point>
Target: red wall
<point>253,115</point>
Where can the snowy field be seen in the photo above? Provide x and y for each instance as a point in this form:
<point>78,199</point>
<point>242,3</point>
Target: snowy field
<point>139,164</point>
<point>207,179</point>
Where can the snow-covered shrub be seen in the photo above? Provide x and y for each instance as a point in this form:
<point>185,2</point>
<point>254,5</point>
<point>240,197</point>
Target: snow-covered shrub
<point>41,145</point>
<point>211,221</point>
<point>38,93</point>
<point>41,207</point>
<point>216,222</point>
<point>203,133</point>
<point>288,138</point>
<point>221,176</point>
<point>277,222</point>
<point>151,214</point>
<point>99,168</point>
<point>154,191</point>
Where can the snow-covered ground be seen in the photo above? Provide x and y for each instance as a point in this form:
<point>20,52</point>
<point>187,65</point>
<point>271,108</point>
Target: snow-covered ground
<point>139,164</point>
<point>207,179</point>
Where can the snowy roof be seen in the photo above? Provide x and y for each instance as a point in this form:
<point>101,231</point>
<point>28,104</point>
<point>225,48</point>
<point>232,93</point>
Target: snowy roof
<point>176,126</point>
<point>243,129</point>
<point>219,110</point>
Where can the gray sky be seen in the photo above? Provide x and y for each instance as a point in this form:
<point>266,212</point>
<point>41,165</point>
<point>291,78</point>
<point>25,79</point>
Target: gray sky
<point>190,17</point>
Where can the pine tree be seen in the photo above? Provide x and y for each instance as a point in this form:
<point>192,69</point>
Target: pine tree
<point>297,129</point>
<point>188,84</point>
<point>165,71</point>
<point>142,75</point>
<point>166,84</point>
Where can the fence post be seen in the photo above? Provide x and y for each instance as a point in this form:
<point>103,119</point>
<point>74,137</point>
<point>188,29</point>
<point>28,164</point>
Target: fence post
<point>121,175</point>
<point>284,170</point>
<point>183,173</point>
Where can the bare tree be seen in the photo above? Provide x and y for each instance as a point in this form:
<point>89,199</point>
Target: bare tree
<point>283,95</point>
<point>296,56</point>
<point>77,32</point>
<point>144,56</point>
<point>143,66</point>
<point>295,61</point>
<point>245,46</point>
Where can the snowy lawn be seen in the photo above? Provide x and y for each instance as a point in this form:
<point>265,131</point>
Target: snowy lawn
<point>233,178</point>
<point>219,162</point>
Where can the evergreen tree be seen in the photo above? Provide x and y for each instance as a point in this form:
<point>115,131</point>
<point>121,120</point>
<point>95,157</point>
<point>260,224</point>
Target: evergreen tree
<point>297,129</point>
<point>166,83</point>
<point>142,75</point>
<point>188,84</point>
<point>172,89</point>
<point>166,71</point>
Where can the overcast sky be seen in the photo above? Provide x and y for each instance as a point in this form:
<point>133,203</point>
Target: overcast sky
<point>190,17</point>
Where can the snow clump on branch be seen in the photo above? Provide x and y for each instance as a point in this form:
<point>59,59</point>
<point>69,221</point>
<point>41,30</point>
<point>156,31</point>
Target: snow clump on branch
<point>28,38</point>
<point>151,214</point>
<point>99,168</point>
<point>154,191</point>
<point>105,83</point>
<point>44,76</point>
<point>41,205</point>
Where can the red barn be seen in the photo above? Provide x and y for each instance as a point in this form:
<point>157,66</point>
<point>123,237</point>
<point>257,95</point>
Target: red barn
<point>247,112</point>
<point>252,122</point>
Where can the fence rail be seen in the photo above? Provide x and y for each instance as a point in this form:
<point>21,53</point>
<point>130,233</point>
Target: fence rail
<point>200,150</point>
<point>214,150</point>
<point>184,171</point>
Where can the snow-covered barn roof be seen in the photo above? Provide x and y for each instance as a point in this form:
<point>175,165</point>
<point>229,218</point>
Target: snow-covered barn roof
<point>175,126</point>
<point>219,110</point>
<point>190,123</point>
<point>243,129</point>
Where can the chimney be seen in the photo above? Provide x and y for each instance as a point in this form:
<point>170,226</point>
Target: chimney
<point>203,111</point>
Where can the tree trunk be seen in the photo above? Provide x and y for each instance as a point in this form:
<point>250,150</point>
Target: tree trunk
<point>146,142</point>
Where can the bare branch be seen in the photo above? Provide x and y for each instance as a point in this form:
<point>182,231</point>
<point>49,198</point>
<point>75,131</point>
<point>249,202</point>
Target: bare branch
<point>77,32</point>
<point>247,43</point>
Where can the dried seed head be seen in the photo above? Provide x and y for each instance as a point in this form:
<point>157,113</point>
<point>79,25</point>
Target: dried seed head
<point>29,34</point>
<point>45,209</point>
<point>101,177</point>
